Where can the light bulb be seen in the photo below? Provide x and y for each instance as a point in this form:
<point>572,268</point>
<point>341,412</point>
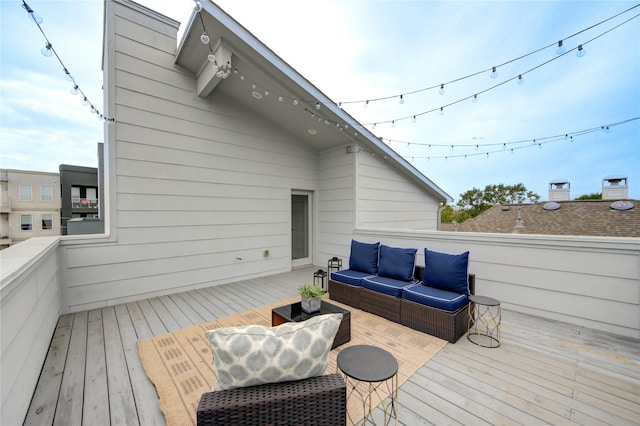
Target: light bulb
<point>317,105</point>
<point>393,123</point>
<point>441,91</point>
<point>46,50</point>
<point>211,57</point>
<point>197,7</point>
<point>581,52</point>
<point>520,80</point>
<point>494,73</point>
<point>266,92</point>
<point>561,49</point>
<point>441,110</point>
<point>74,90</point>
<point>93,109</point>
<point>204,38</point>
<point>475,99</point>
<point>85,101</point>
<point>280,98</point>
<point>68,74</point>
<point>401,100</point>
<point>215,68</point>
<point>295,102</point>
<point>414,119</point>
<point>366,104</point>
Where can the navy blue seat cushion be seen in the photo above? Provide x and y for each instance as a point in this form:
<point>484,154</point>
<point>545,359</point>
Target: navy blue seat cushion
<point>364,257</point>
<point>388,286</point>
<point>397,263</point>
<point>435,297</point>
<point>447,271</point>
<point>347,276</point>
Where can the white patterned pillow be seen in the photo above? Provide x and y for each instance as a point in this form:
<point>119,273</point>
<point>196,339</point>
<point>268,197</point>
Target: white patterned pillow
<point>253,354</point>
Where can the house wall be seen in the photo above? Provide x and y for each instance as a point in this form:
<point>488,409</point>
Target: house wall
<point>13,207</point>
<point>385,199</point>
<point>29,311</point>
<point>197,188</point>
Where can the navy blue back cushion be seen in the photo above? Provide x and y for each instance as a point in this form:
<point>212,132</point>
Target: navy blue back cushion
<point>364,257</point>
<point>447,271</point>
<point>397,263</point>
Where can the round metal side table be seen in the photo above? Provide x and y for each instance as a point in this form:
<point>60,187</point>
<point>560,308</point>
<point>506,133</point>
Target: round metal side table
<point>485,315</point>
<point>370,371</point>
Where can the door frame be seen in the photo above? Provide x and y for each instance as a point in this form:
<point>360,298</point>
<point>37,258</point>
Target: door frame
<point>305,261</point>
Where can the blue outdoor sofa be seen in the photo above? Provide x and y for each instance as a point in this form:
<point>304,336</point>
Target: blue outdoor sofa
<point>385,281</point>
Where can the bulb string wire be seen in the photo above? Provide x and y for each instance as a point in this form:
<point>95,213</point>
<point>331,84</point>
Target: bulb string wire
<point>494,67</point>
<point>76,86</point>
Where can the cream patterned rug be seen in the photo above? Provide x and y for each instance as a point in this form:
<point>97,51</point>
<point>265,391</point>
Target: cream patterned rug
<point>180,364</point>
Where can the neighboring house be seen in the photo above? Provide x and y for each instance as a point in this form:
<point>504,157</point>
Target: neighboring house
<point>80,199</point>
<point>210,180</point>
<point>613,216</point>
<point>29,205</point>
<point>589,217</point>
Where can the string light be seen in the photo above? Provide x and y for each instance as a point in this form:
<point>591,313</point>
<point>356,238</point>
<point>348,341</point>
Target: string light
<point>560,50</point>
<point>580,53</point>
<point>49,51</point>
<point>220,70</point>
<point>522,144</point>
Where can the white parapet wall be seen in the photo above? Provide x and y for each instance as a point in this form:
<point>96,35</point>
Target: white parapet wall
<point>29,311</point>
<point>588,281</point>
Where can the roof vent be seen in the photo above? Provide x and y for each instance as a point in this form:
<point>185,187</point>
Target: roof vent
<point>622,205</point>
<point>559,190</point>
<point>615,187</point>
<point>551,205</point>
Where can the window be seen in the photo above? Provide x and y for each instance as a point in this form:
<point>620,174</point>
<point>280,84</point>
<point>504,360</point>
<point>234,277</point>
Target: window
<point>26,193</point>
<point>47,221</point>
<point>26,223</point>
<point>46,193</point>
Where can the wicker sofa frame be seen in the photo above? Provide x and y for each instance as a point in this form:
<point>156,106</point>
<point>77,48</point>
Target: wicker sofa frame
<point>446,325</point>
<point>344,293</point>
<point>319,400</point>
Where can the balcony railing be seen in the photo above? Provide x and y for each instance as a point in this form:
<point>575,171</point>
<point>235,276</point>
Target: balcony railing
<point>84,203</point>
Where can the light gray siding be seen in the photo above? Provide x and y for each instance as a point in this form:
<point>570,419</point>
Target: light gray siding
<point>29,310</point>
<point>388,200</point>
<point>202,186</point>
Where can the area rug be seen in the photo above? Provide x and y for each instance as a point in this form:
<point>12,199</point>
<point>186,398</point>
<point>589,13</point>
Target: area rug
<point>180,363</point>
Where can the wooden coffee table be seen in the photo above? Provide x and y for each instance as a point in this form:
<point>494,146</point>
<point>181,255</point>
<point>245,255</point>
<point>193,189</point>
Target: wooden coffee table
<point>294,313</point>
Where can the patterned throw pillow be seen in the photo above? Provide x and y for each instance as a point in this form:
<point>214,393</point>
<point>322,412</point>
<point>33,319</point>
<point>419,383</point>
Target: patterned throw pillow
<point>253,354</point>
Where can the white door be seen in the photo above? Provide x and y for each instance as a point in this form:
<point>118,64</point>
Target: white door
<point>301,208</point>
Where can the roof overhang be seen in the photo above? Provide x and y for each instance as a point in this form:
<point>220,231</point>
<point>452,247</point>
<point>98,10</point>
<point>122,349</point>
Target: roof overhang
<point>264,83</point>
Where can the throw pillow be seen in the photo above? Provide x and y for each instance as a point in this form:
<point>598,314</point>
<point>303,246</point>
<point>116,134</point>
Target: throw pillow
<point>447,271</point>
<point>364,257</point>
<point>397,263</point>
<point>254,354</point>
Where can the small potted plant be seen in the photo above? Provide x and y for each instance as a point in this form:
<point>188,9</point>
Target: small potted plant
<point>311,297</point>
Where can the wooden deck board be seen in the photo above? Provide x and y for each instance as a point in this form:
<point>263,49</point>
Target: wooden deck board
<point>545,372</point>
<point>71,396</point>
<point>96,404</point>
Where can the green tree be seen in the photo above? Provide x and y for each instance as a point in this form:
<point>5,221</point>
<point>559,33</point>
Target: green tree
<point>594,196</point>
<point>476,201</point>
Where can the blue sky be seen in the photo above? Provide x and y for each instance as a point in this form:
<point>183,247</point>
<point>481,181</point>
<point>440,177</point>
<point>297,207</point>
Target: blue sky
<point>364,49</point>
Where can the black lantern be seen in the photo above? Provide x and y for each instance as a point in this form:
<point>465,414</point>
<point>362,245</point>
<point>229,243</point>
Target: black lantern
<point>334,265</point>
<point>320,279</point>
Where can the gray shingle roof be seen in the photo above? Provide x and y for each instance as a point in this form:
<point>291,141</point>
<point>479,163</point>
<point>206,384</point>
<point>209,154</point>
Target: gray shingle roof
<point>592,217</point>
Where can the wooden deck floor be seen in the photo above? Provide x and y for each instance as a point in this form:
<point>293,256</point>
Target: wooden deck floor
<point>545,372</point>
